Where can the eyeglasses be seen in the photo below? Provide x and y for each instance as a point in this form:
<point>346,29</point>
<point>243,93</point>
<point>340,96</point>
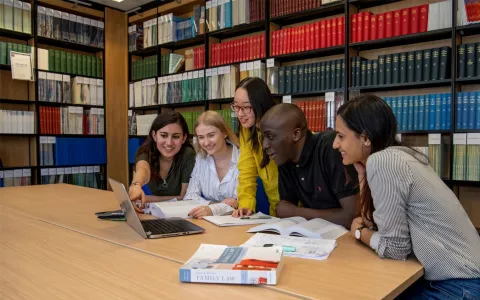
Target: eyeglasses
<point>244,109</point>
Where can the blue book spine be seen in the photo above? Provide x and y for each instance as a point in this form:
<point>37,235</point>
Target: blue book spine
<point>416,109</point>
<point>410,113</point>
<point>228,13</point>
<point>443,119</point>
<point>405,113</point>
<point>399,112</point>
<point>465,108</point>
<point>438,111</point>
<point>458,117</point>
<point>433,111</point>
<point>421,112</point>
<point>449,111</point>
<point>471,110</point>
<point>477,105</point>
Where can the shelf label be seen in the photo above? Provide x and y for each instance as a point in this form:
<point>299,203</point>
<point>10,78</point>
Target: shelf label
<point>250,66</point>
<point>90,169</point>
<point>459,138</point>
<point>27,172</point>
<point>75,170</point>
<point>17,173</point>
<point>399,137</point>
<point>287,99</point>
<point>270,62</point>
<point>68,170</point>
<point>434,139</point>
<point>330,97</point>
<point>473,138</point>
<point>96,169</point>
<point>60,171</point>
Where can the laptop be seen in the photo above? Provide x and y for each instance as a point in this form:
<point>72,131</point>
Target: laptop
<point>151,229</point>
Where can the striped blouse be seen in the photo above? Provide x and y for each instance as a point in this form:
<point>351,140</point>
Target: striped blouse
<point>416,212</point>
<point>204,184</point>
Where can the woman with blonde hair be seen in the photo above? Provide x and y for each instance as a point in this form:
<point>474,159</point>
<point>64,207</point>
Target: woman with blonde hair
<point>215,175</point>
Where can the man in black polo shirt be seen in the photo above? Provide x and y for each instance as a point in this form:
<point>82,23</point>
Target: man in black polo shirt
<point>310,171</point>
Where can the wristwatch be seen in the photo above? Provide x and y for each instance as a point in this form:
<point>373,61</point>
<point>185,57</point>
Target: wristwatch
<point>358,232</point>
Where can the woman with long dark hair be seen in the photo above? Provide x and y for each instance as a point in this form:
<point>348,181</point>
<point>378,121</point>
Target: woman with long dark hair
<point>252,100</point>
<point>165,161</point>
<point>405,207</point>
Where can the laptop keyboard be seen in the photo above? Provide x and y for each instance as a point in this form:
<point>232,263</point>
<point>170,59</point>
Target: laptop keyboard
<point>160,226</point>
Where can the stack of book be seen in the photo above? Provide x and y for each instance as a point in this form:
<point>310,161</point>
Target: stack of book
<point>422,112</point>
<point>252,69</point>
<point>15,177</point>
<point>466,156</point>
<point>70,63</point>
<point>315,112</point>
<point>150,33</point>
<point>190,118</point>
<point>312,77</point>
<point>135,37</point>
<point>228,13</point>
<point>195,58</point>
<point>468,12</point>
<point>143,93</point>
<point>222,81</point>
<point>317,35</point>
<point>16,15</point>
<point>468,110</point>
<point>17,122</point>
<point>238,50</point>
<point>6,47</point>
<point>71,120</point>
<point>87,176</point>
<point>468,60</point>
<point>414,66</point>
<point>145,68</point>
<point>181,88</point>
<point>172,28</point>
<point>172,63</point>
<point>65,26</point>
<point>55,151</point>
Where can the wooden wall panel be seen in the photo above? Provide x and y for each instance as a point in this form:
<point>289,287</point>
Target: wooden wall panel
<point>116,102</point>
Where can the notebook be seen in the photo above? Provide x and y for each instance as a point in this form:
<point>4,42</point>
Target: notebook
<point>225,221</point>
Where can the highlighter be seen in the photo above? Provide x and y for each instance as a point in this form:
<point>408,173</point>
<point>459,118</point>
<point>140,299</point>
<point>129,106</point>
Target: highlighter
<point>284,248</point>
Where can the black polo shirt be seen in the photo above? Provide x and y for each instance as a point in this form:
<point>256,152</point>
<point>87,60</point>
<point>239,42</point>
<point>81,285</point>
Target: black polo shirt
<point>319,179</point>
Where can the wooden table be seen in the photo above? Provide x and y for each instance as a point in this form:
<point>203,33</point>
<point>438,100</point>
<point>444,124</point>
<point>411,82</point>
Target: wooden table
<point>352,270</point>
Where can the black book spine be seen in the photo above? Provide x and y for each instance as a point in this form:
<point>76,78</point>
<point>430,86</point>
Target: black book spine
<point>395,67</point>
<point>309,78</point>
<point>403,67</point>
<point>358,71</point>
<point>418,66</point>
<point>338,78</point>
<point>301,70</point>
<point>388,69</point>
<point>322,76</point>
<point>294,79</point>
<point>470,60</point>
<point>354,67</point>
<point>427,64</point>
<point>314,77</point>
<point>319,79</point>
<point>381,69</point>
<point>281,80</point>
<point>410,66</point>
<point>327,75</point>
<point>369,72</point>
<point>445,56</point>
<point>435,64</point>
<point>363,80</point>
<point>477,55</point>
<point>375,72</point>
<point>306,73</point>
<point>343,73</point>
<point>333,70</point>
<point>461,61</point>
<point>288,80</point>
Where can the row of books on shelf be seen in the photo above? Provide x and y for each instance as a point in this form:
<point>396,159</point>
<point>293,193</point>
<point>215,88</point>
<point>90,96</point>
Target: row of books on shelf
<point>468,12</point>
<point>467,110</point>
<point>319,114</point>
<point>413,66</point>
<point>60,88</point>
<point>228,13</point>
<point>238,50</point>
<point>16,15</point>
<point>312,77</point>
<point>6,47</point>
<point>63,151</point>
<point>71,63</point>
<point>69,27</point>
<point>86,176</point>
<point>466,156</point>
<point>17,122</point>
<point>72,120</point>
<point>468,60</point>
<point>280,8</point>
<point>16,177</point>
<point>317,35</point>
<point>366,26</point>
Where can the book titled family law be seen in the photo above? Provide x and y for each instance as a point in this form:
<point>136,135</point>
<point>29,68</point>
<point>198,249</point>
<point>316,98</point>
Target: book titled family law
<point>233,265</point>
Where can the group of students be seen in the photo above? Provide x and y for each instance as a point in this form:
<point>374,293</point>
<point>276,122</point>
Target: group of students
<point>359,176</point>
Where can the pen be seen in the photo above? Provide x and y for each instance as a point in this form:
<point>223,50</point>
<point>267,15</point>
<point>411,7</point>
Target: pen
<point>284,248</point>
<point>254,218</point>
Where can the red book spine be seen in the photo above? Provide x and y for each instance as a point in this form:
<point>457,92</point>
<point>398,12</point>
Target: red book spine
<point>334,32</point>
<point>312,35</point>
<point>273,48</point>
<point>290,39</point>
<point>373,27</point>
<point>262,43</point>
<point>329,33</point>
<point>381,26</point>
<point>366,25</point>
<point>212,55</point>
<point>360,27</point>
<point>307,38</point>
<point>323,34</point>
<point>397,19</point>
<point>353,28</point>
<point>317,35</point>
<point>341,31</point>
<point>59,127</point>
<point>202,57</point>
<point>42,126</point>
<point>245,49</point>
<point>423,23</point>
<point>232,50</point>
<point>405,21</point>
<point>414,19</point>
<point>388,24</point>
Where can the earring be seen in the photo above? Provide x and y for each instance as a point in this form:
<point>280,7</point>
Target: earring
<point>367,143</point>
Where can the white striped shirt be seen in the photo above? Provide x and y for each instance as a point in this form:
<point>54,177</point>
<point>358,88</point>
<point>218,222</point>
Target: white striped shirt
<point>415,211</point>
<point>204,182</point>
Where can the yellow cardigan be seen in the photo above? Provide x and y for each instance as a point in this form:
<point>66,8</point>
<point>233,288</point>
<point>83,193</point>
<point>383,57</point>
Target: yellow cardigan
<point>249,168</point>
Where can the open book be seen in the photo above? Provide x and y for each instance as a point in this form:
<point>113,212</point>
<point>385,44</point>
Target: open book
<point>172,208</point>
<point>298,226</point>
<point>255,219</point>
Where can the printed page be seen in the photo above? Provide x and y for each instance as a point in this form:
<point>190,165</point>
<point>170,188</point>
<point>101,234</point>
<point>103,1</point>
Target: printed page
<point>279,226</point>
<point>171,209</point>
<point>231,221</point>
<point>317,228</point>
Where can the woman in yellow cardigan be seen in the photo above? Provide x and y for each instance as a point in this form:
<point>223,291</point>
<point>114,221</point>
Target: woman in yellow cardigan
<point>251,102</point>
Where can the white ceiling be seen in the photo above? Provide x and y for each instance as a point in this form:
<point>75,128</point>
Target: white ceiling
<point>125,5</point>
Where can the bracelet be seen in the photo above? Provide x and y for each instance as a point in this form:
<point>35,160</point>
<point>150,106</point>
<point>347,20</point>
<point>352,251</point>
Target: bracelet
<point>136,183</point>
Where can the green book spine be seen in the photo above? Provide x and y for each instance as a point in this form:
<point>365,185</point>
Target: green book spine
<point>294,79</point>
<point>58,61</point>
<point>69,63</point>
<point>51,60</point>
<point>358,69</point>
<point>375,72</point>
<point>445,55</point>
<point>281,80</point>
<point>301,70</point>
<point>3,53</point>
<point>338,79</point>
<point>418,66</point>
<point>354,67</point>
<point>363,80</point>
<point>343,73</point>
<point>288,80</point>
<point>89,65</point>
<point>461,61</point>
<point>411,66</point>
<point>369,72</point>
<point>333,70</point>
<point>435,64</point>
<point>323,86</point>
<point>327,75</point>
<point>395,67</point>
<point>63,62</point>
<point>318,85</point>
<point>470,66</point>
<point>427,64</point>
<point>9,48</point>
<point>74,64</point>
<point>388,69</point>
<point>403,67</point>
<point>94,66</point>
<point>99,67</point>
